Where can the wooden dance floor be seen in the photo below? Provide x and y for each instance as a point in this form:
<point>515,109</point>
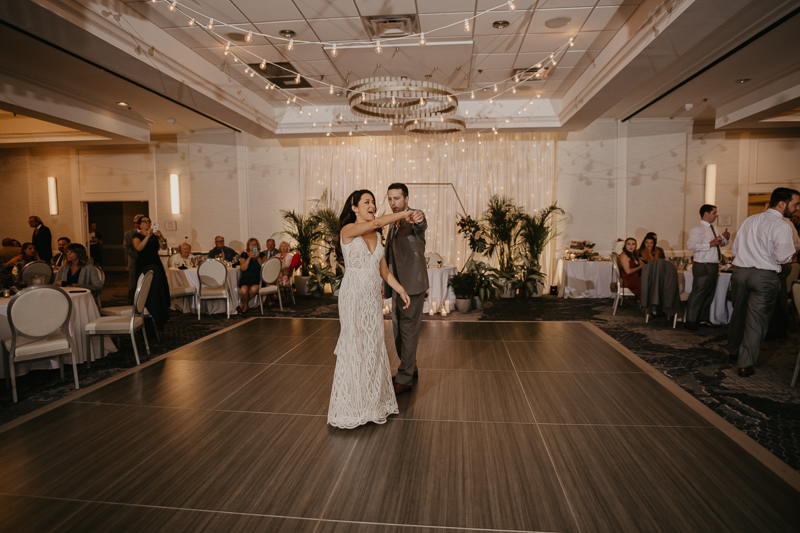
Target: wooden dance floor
<point>512,426</point>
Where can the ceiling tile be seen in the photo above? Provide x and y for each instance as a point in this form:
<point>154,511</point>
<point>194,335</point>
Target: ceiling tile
<point>493,61</point>
<point>498,45</point>
<point>258,10</point>
<point>196,37</point>
<point>487,78</point>
<point>577,15</point>
<point>561,72</point>
<point>302,30</point>
<point>253,53</point>
<point>531,59</point>
<point>317,9</point>
<point>544,42</point>
<point>370,8</point>
<point>340,29</point>
<point>164,18</point>
<point>316,69</point>
<point>445,6</point>
<point>428,23</point>
<point>518,23</point>
<point>608,18</point>
<point>594,40</point>
<point>573,59</point>
<point>522,5</point>
<point>552,85</point>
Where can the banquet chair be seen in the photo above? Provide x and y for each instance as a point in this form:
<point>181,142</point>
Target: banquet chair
<point>122,325</point>
<point>684,296</point>
<point>658,292</point>
<point>102,275</point>
<point>796,295</point>
<point>125,310</point>
<point>270,271</point>
<point>213,278</point>
<point>37,268</point>
<point>616,279</point>
<point>38,318</point>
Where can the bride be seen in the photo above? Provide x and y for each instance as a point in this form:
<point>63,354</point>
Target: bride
<point>362,383</point>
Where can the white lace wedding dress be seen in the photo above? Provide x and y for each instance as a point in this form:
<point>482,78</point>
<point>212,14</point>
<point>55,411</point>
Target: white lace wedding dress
<point>362,382</point>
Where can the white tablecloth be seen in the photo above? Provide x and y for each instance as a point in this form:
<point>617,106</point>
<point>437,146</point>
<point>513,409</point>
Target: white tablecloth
<point>84,310</point>
<point>584,279</point>
<point>438,291</point>
<point>188,277</point>
<point>721,308</point>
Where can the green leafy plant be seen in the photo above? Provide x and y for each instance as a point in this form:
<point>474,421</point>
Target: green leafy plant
<point>463,284</point>
<point>320,276</point>
<point>526,278</point>
<point>501,222</point>
<point>305,232</point>
<point>536,232</point>
<point>327,221</point>
<point>487,282</point>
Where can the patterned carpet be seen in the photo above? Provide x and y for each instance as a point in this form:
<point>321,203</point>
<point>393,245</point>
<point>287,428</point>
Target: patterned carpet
<point>763,406</point>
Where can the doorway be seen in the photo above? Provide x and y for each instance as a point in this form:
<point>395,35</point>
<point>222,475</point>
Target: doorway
<point>757,203</point>
<point>113,219</point>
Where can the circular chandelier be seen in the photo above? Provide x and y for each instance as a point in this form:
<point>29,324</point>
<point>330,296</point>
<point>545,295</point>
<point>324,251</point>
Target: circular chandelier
<point>400,100</point>
<point>442,127</point>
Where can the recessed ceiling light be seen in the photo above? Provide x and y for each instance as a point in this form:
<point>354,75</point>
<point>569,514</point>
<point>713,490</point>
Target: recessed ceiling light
<point>123,104</point>
<point>558,22</point>
<point>287,33</point>
<point>500,24</point>
<point>743,80</point>
<point>236,36</point>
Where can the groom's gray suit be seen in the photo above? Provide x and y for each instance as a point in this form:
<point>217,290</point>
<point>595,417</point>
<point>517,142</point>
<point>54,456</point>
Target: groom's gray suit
<point>405,257</point>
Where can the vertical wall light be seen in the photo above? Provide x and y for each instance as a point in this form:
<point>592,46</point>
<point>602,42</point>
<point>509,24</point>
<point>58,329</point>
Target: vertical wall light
<point>175,193</point>
<point>711,184</point>
<point>52,195</point>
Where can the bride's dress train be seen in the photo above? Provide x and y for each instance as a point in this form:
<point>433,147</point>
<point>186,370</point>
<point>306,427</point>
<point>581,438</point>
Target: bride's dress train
<point>362,383</point>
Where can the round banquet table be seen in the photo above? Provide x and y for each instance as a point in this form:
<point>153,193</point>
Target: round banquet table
<point>584,279</point>
<point>721,308</point>
<point>84,310</point>
<point>188,277</point>
<point>438,291</point>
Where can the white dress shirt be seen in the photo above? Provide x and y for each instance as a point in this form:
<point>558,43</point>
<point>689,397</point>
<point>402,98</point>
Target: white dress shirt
<point>764,241</point>
<point>795,237</point>
<point>699,241</point>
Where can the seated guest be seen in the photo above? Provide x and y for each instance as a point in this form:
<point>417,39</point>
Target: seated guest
<point>632,265</point>
<point>287,265</point>
<point>28,254</point>
<point>77,272</point>
<point>59,259</point>
<point>219,249</point>
<point>9,250</point>
<point>271,251</point>
<point>649,251</point>
<point>250,262</point>
<point>184,256</point>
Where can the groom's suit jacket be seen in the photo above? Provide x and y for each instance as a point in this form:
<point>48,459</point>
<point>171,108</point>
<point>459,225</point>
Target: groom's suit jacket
<point>405,256</point>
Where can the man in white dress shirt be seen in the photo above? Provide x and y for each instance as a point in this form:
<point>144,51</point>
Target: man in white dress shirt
<point>704,242</point>
<point>763,244</point>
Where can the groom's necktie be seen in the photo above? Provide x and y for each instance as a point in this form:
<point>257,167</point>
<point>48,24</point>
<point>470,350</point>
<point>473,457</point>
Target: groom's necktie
<point>719,253</point>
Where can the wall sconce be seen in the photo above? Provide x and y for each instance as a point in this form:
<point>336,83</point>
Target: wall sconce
<point>711,184</point>
<point>175,193</point>
<point>52,195</point>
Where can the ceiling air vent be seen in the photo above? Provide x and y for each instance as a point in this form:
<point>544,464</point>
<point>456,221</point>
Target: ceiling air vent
<point>532,73</point>
<point>385,26</point>
<point>281,74</point>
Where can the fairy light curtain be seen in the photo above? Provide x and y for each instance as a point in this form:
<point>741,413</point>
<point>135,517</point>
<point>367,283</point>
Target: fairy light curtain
<point>520,165</point>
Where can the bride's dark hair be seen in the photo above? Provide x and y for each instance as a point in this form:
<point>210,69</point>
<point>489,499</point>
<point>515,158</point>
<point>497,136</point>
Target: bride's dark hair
<point>348,216</point>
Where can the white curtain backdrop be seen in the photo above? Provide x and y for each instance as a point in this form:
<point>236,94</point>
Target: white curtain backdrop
<point>518,165</point>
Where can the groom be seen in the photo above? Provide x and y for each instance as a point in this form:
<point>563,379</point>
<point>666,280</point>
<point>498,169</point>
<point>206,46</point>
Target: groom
<point>405,257</point>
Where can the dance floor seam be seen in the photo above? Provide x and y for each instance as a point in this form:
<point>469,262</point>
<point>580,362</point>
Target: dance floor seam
<point>518,426</point>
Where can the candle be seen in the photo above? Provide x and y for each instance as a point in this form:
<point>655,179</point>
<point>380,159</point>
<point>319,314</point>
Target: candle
<point>435,306</point>
<point>430,311</point>
<point>447,305</point>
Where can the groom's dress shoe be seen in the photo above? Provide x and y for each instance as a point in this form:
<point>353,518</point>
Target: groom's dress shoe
<point>708,324</point>
<point>416,374</point>
<point>399,388</point>
<point>743,372</point>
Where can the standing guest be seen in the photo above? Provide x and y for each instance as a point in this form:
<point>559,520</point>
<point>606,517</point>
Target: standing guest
<point>147,243</point>
<point>41,239</point>
<point>704,242</point>
<point>271,251</point>
<point>228,254</point>
<point>77,272</point>
<point>405,258</point>
<point>779,325</point>
<point>184,256</point>
<point>27,255</point>
<point>95,244</point>
<point>9,250</point>
<point>127,245</point>
<point>649,251</point>
<point>60,258</point>
<point>762,245</point>
<point>250,262</point>
<point>631,268</point>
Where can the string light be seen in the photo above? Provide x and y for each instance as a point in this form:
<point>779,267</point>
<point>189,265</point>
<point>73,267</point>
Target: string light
<point>297,79</point>
<point>288,101</point>
<point>514,90</point>
<point>422,40</point>
<point>571,42</point>
<point>334,51</point>
<point>248,37</point>
<point>172,5</point>
<point>191,22</point>
<point>495,87</point>
<point>421,102</point>
<point>472,95</point>
<point>466,25</point>
<point>554,63</point>
<point>294,99</point>
<point>516,78</point>
<point>227,47</point>
<point>210,25</point>
<point>378,48</point>
<point>511,5</point>
<point>263,64</point>
<point>331,90</point>
<point>491,100</point>
<point>290,45</point>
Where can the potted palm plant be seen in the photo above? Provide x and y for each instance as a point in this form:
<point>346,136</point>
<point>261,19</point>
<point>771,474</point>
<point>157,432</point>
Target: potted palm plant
<point>501,223</point>
<point>487,283</point>
<point>536,232</point>
<point>304,231</point>
<point>463,284</point>
<point>319,276</point>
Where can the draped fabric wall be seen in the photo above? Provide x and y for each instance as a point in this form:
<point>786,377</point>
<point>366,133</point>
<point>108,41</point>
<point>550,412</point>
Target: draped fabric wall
<point>518,165</point>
